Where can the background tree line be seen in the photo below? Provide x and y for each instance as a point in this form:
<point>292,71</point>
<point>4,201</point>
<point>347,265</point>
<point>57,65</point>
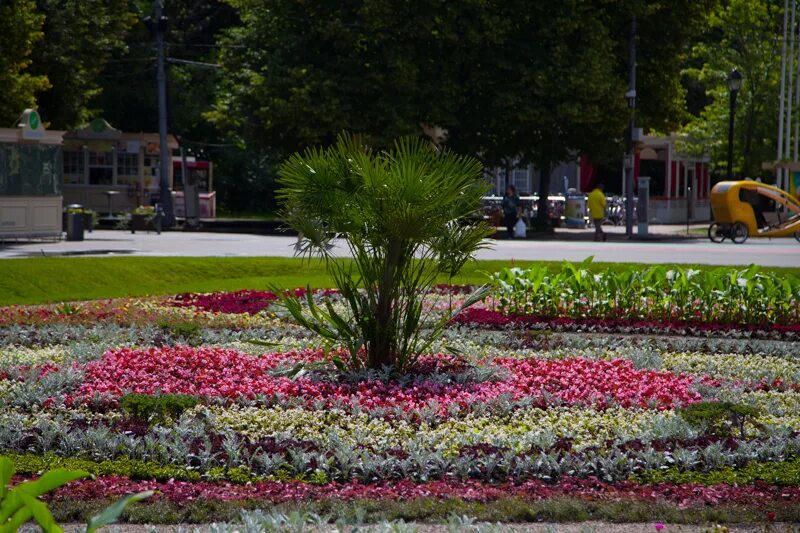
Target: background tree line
<point>540,81</point>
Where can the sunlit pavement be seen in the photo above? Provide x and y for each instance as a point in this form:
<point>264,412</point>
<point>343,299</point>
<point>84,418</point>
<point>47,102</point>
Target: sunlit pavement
<point>776,252</point>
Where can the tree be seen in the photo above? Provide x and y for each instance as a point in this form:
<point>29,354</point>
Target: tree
<point>741,34</point>
<point>297,73</point>
<point>20,30</point>
<point>405,216</point>
<point>508,80</point>
<point>666,33</point>
<point>80,37</point>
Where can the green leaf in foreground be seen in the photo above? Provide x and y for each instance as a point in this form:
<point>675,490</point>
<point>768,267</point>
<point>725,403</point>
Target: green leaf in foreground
<point>111,514</point>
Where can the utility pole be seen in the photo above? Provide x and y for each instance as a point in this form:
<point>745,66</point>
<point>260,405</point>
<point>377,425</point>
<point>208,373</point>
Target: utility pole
<point>787,134</point>
<point>159,26</point>
<point>796,98</point>
<point>779,170</point>
<point>630,157</point>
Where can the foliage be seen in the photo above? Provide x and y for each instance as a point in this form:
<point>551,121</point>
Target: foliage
<point>720,418</point>
<point>511,418</point>
<point>405,216</point>
<point>667,30</point>
<point>147,210</point>
<point>741,34</point>
<point>746,296</point>
<point>567,509</point>
<point>20,504</point>
<point>20,31</point>
<point>187,332</point>
<point>80,37</point>
<point>158,408</point>
<point>564,99</point>
<point>783,473</point>
<point>131,468</point>
<point>112,513</point>
<point>54,279</point>
<point>296,76</point>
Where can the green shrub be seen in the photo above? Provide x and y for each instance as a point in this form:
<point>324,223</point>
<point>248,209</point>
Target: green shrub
<point>124,466</point>
<point>784,473</point>
<point>187,332</point>
<point>720,418</point>
<point>158,408</point>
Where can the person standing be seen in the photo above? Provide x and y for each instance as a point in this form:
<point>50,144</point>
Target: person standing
<point>511,206</point>
<point>597,210</point>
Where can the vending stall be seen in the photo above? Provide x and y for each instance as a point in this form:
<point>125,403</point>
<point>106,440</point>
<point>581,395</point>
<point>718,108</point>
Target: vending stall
<point>111,171</point>
<point>30,180</point>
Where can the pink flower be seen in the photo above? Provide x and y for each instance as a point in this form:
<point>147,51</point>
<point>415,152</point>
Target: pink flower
<point>214,372</point>
<point>659,526</point>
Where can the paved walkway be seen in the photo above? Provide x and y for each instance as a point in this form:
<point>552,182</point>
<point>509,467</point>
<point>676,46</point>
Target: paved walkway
<point>575,247</point>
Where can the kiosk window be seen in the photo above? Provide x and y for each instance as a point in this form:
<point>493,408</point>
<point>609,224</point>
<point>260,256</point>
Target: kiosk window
<point>127,168</point>
<point>101,168</point>
<point>73,167</point>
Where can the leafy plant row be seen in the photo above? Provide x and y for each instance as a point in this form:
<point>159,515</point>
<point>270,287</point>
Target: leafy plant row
<point>723,295</point>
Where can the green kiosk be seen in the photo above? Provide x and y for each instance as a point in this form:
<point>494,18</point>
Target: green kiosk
<point>30,180</point>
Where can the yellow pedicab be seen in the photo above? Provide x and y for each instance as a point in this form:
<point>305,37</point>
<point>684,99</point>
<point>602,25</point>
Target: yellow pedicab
<point>747,208</point>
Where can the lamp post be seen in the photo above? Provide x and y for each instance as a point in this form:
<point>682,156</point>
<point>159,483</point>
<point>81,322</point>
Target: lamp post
<point>734,84</point>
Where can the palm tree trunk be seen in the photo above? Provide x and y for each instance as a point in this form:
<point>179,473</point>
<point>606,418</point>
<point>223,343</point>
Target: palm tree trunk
<point>381,351</point>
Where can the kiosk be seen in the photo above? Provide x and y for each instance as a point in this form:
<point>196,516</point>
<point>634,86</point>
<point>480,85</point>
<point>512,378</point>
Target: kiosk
<point>30,180</point>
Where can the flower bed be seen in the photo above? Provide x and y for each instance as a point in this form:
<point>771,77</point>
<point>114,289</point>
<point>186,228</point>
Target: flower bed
<point>169,394</point>
<point>488,318</point>
<point>231,374</point>
<point>249,302</point>
<point>590,489</point>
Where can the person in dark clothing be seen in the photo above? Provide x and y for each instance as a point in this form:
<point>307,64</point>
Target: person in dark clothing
<point>511,206</point>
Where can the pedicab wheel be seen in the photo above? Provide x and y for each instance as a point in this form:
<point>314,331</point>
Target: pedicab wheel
<point>739,233</point>
<point>716,232</point>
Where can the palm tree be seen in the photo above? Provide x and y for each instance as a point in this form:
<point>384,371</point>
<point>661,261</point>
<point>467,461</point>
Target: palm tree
<point>406,215</point>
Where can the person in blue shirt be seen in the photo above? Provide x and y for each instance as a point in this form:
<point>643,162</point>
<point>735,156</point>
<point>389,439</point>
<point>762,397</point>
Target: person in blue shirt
<point>511,209</point>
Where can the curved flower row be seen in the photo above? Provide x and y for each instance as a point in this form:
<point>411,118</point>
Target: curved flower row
<point>488,318</point>
<point>140,311</point>
<point>756,371</point>
<point>245,302</point>
<point>249,302</point>
<point>518,433</point>
<point>226,373</point>
<point>684,495</point>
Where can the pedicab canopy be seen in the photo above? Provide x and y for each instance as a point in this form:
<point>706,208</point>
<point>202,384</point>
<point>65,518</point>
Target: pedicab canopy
<point>765,210</point>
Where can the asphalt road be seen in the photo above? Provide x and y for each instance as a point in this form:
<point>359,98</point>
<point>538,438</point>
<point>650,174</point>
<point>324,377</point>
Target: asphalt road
<point>778,252</point>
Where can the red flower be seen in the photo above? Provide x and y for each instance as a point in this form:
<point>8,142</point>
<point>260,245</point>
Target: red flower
<point>215,372</point>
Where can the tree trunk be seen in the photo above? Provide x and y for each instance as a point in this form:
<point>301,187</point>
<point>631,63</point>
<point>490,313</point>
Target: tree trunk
<point>542,209</point>
<point>381,349</point>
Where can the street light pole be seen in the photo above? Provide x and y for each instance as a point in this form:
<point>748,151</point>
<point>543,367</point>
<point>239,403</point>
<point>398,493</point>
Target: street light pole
<point>734,84</point>
<point>630,158</point>
<point>165,156</point>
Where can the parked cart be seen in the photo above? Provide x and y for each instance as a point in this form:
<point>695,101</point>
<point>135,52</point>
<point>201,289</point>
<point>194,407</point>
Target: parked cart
<point>744,209</point>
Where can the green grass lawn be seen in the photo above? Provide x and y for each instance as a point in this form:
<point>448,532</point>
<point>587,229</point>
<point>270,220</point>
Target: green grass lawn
<point>56,279</point>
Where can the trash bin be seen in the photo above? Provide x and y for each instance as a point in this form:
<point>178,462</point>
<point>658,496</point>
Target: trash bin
<point>74,222</point>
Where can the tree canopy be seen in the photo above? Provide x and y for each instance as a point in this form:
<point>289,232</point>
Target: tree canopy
<point>741,34</point>
<point>508,80</point>
<point>20,30</point>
